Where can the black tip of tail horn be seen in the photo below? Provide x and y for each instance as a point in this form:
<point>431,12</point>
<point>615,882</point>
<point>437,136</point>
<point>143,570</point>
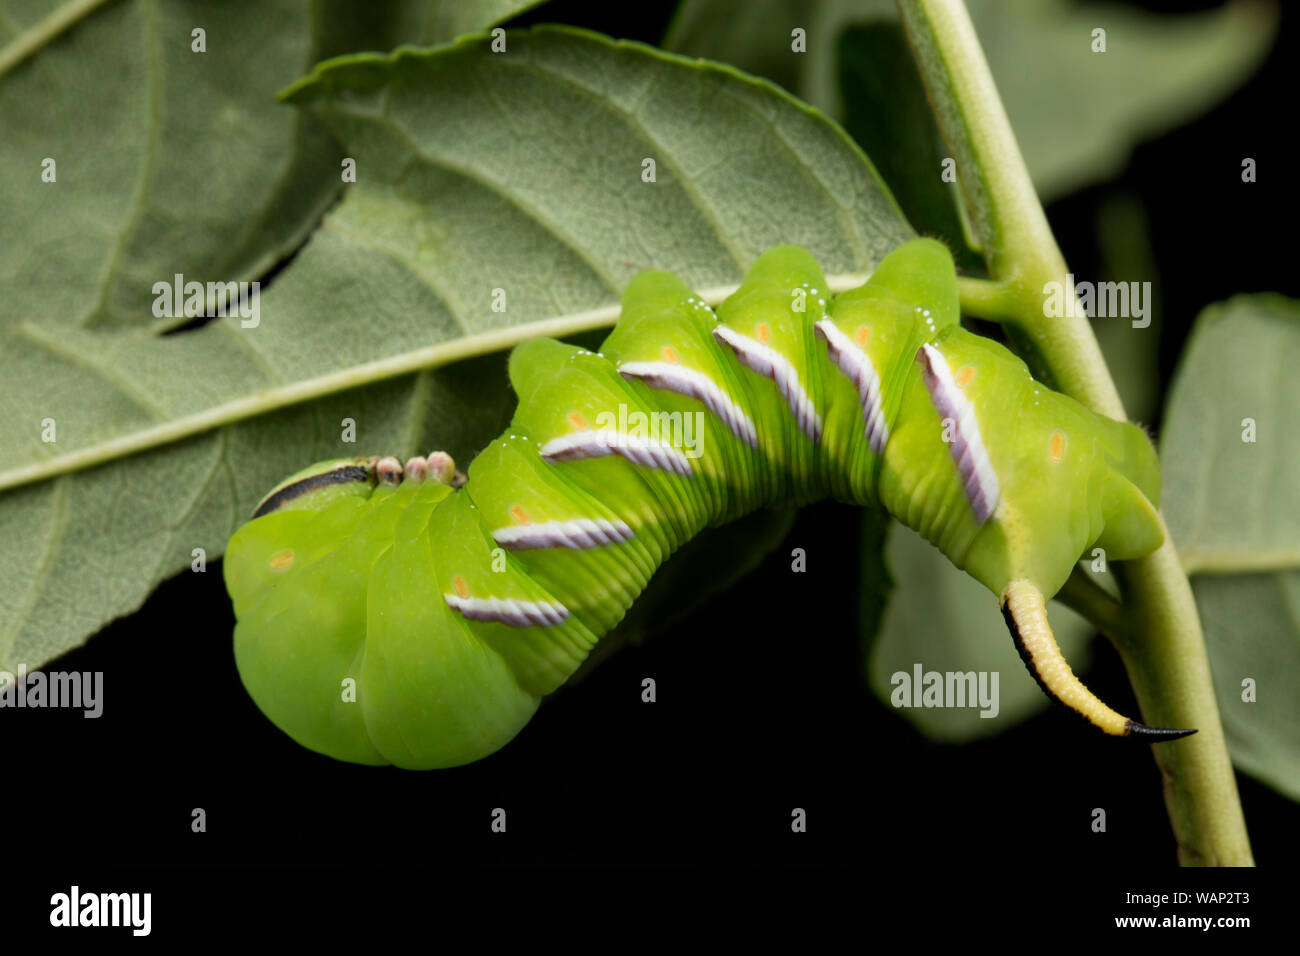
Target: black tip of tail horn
<point>1154,735</point>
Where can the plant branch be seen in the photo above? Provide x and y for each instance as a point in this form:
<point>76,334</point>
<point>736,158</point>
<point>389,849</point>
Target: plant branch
<point>987,299</point>
<point>1165,655</point>
<point>1005,213</point>
<point>1086,597</point>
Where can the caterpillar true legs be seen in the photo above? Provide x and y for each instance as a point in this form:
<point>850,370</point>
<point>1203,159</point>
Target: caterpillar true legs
<point>385,617</point>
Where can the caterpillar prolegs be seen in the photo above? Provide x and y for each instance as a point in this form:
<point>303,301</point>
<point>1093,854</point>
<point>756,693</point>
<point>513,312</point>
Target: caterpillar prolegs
<point>385,616</point>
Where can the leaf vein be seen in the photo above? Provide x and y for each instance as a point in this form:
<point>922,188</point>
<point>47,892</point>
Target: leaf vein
<point>58,527</point>
<point>407,263</point>
<point>545,220</point>
<point>152,40</point>
<point>706,210</point>
<point>60,349</point>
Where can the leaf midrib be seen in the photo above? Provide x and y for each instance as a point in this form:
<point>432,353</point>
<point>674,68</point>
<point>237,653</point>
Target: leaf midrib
<point>151,41</point>
<point>305,390</point>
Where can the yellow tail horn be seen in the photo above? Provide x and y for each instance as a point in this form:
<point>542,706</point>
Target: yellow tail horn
<point>1025,612</point>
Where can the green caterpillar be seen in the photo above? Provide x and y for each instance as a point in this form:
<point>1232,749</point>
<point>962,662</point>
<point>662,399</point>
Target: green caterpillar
<point>385,616</point>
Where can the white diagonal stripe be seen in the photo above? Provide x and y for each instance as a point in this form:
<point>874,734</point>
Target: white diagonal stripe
<point>509,611</point>
<point>856,366</point>
<point>577,534</point>
<point>597,444</point>
<point>768,362</point>
<point>695,384</point>
<point>978,478</point>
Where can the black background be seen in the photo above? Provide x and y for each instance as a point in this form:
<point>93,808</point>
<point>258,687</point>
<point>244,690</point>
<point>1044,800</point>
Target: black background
<point>762,703</point>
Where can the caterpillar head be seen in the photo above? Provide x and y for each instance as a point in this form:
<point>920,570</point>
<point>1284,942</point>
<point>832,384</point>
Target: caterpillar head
<point>343,637</point>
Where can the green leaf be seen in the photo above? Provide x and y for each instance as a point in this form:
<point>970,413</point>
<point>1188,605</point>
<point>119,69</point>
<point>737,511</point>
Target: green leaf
<point>169,160</point>
<point>886,112</point>
<point>1233,508</point>
<point>421,22</point>
<point>946,621</point>
<point>1077,114</point>
<point>86,548</point>
<point>756,35</point>
<point>1231,497</point>
<point>1252,632</point>
<point>456,196</point>
<point>456,17</point>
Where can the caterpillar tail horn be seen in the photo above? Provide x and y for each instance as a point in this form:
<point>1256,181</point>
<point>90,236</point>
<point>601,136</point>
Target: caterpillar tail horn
<point>1025,612</point>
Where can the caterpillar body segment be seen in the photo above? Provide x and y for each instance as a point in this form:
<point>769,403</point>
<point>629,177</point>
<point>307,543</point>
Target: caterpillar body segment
<point>425,665</point>
<point>302,628</point>
<point>663,345</point>
<point>454,612</point>
<point>532,628</point>
<point>565,538</point>
<point>767,325</point>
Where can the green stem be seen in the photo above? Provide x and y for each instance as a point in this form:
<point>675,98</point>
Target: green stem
<point>1166,658</point>
<point>1006,215</point>
<point>1170,672</point>
<point>986,299</point>
<point>1085,596</point>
